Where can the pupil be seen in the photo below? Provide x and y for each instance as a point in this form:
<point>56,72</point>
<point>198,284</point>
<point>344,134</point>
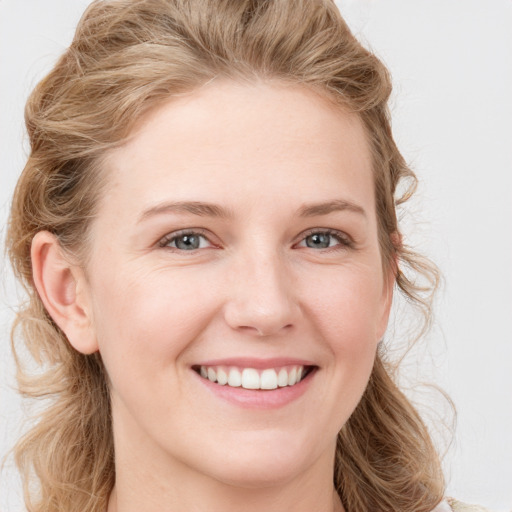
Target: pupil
<point>318,240</point>
<point>187,242</point>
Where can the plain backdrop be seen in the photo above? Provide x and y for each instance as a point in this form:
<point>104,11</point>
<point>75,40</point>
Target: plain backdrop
<point>451,63</point>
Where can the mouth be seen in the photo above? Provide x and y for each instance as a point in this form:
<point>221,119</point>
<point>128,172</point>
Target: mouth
<point>266,379</point>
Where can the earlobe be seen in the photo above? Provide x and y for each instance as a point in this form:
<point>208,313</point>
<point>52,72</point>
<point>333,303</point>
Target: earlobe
<point>62,287</point>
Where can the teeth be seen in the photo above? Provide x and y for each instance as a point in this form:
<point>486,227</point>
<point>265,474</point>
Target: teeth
<point>292,376</point>
<point>235,378</point>
<point>211,375</point>
<point>268,379</point>
<point>222,377</point>
<point>250,378</point>
<point>282,378</point>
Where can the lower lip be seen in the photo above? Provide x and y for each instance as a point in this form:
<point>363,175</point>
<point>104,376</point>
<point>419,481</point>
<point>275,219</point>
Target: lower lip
<point>256,398</point>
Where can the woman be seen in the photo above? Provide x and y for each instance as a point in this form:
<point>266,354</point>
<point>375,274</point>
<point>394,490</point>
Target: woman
<point>206,228</point>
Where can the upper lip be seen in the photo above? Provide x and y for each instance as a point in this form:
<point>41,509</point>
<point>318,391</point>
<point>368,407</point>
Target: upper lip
<point>256,363</point>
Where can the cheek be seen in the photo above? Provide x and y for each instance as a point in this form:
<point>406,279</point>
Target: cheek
<point>348,305</point>
<point>347,317</point>
<point>145,321</point>
<point>345,305</point>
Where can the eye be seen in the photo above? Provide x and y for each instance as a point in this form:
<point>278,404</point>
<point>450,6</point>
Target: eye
<point>325,239</point>
<point>185,241</point>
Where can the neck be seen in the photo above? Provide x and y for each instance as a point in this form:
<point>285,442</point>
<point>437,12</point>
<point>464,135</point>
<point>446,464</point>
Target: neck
<point>236,500</point>
<point>172,487</point>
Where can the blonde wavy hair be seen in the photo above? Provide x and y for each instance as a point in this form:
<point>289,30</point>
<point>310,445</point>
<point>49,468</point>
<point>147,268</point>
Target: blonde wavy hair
<point>127,57</point>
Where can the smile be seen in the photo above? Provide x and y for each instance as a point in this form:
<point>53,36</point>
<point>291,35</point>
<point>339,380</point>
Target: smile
<point>255,379</point>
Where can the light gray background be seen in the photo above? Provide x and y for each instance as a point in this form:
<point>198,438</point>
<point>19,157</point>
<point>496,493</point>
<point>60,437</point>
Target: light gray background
<point>451,63</point>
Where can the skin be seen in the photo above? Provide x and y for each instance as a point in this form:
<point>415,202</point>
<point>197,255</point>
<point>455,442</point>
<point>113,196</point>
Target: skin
<point>253,288</point>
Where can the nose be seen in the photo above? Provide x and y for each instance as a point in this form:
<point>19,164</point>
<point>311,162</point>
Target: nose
<point>261,297</point>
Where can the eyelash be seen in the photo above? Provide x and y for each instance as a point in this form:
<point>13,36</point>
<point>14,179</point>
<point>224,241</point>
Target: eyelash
<point>171,237</point>
<point>345,242</point>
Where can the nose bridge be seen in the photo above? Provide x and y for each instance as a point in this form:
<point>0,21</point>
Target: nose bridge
<point>261,299</point>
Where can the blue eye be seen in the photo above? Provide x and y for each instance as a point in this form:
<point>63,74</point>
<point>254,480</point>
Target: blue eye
<point>319,240</point>
<point>189,241</point>
<point>324,240</point>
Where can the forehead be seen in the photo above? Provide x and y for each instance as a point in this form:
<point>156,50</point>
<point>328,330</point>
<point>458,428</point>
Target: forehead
<point>230,142</point>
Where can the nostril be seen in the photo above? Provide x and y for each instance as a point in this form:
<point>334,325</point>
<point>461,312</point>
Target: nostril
<point>263,332</point>
<point>260,317</point>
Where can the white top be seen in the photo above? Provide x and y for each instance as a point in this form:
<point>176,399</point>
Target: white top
<point>451,505</point>
<point>443,507</point>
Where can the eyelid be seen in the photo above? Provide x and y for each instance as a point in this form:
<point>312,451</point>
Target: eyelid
<point>162,242</point>
<point>344,239</point>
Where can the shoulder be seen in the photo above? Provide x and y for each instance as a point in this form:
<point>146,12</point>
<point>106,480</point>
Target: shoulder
<point>458,506</point>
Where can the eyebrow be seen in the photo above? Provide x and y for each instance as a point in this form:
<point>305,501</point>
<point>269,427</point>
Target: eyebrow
<point>204,209</point>
<point>337,205</point>
<point>199,208</point>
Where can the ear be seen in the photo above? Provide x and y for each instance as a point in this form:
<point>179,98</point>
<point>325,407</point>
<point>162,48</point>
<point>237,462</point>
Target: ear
<point>390,275</point>
<point>387,301</point>
<point>63,289</point>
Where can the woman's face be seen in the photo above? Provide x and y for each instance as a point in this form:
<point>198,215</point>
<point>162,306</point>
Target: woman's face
<point>236,240</point>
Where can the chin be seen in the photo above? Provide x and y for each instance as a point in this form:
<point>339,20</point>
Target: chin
<point>263,474</point>
<point>263,462</point>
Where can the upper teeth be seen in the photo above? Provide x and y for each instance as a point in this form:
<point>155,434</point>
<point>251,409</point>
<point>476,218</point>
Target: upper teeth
<point>250,378</point>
